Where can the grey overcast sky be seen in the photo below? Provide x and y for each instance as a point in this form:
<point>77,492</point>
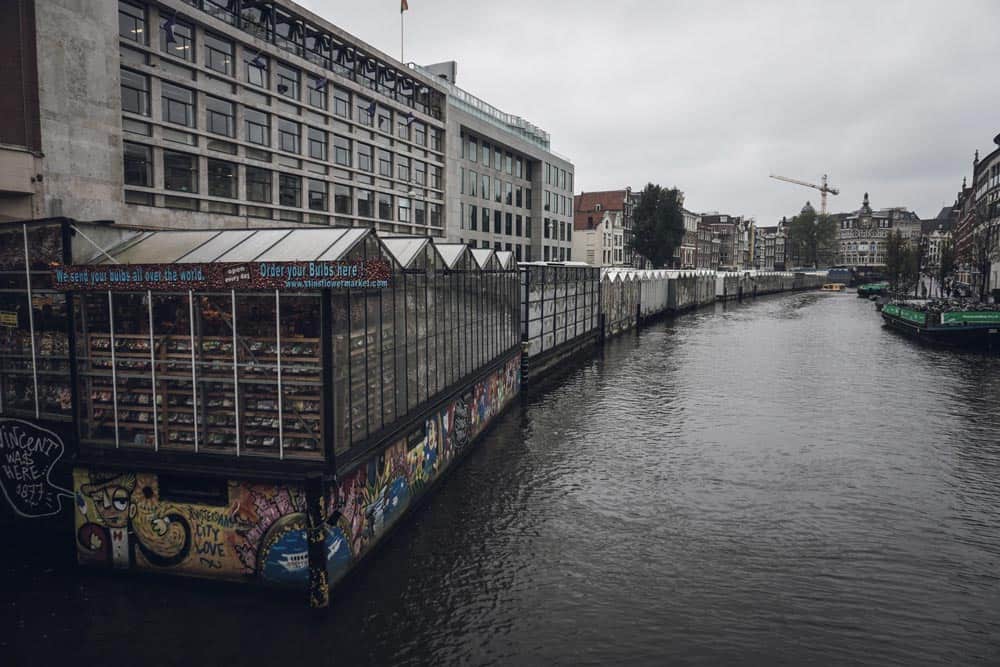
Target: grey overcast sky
<point>887,97</point>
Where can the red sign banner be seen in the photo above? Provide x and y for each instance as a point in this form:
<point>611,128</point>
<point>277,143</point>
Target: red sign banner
<point>357,274</point>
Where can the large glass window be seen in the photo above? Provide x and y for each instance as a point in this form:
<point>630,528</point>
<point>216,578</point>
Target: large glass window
<point>317,144</point>
<point>384,163</point>
<point>316,91</point>
<point>342,150</point>
<point>342,199</point>
<point>419,172</point>
<point>364,157</point>
<point>384,206</point>
<point>220,116</point>
<point>290,190</point>
<point>132,22</point>
<point>287,79</point>
<point>258,127</point>
<point>180,172</point>
<point>178,41</point>
<point>256,68</point>
<point>178,104</point>
<point>258,182</point>
<point>366,203</point>
<point>135,92</point>
<point>222,179</point>
<point>218,54</point>
<point>288,135</point>
<point>317,195</point>
<point>138,165</point>
<point>341,102</point>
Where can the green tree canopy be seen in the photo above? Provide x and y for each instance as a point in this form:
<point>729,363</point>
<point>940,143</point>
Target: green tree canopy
<point>658,224</point>
<point>813,237</point>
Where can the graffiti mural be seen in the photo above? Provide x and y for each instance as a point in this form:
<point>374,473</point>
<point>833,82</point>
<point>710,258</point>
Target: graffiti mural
<point>369,499</point>
<point>259,532</point>
<point>28,454</point>
<point>122,522</point>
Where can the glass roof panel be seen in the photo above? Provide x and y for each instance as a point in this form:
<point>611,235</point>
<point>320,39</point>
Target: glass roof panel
<point>450,252</point>
<point>404,250</point>
<point>302,245</point>
<point>344,244</point>
<point>482,256</point>
<point>254,246</point>
<point>164,247</point>
<point>222,243</point>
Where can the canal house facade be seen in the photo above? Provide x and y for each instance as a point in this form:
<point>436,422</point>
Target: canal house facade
<point>863,234</point>
<point>251,405</point>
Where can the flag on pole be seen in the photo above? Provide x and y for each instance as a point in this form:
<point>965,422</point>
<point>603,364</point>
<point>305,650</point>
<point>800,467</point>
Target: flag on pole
<point>409,118</point>
<point>403,6</point>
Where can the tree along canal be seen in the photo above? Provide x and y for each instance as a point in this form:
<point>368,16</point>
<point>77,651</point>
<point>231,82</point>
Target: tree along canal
<point>778,481</point>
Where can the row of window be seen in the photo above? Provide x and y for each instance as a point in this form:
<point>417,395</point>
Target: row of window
<point>178,108</point>
<point>288,83</point>
<point>556,254</point>
<point>503,192</point>
<point>177,39</point>
<point>558,178</point>
<point>479,151</point>
<point>557,230</point>
<point>883,223</point>
<point>557,203</point>
<point>503,223</point>
<point>181,174</point>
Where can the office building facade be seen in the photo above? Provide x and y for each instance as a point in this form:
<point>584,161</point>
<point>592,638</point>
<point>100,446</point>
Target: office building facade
<point>210,113</point>
<point>506,189</point>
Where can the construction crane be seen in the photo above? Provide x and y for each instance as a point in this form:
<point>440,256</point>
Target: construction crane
<point>824,189</point>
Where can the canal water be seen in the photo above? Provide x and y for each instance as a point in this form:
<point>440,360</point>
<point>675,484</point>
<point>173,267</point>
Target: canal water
<point>777,482</point>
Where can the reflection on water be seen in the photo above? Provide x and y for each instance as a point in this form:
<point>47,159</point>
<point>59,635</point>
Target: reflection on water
<point>781,481</point>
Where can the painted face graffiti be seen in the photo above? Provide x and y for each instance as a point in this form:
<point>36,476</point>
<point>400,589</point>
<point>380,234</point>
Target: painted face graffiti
<point>110,500</point>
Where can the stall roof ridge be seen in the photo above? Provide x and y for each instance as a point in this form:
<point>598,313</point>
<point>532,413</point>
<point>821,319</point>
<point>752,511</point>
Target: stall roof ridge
<point>482,256</point>
<point>283,244</point>
<point>451,252</point>
<point>404,249</point>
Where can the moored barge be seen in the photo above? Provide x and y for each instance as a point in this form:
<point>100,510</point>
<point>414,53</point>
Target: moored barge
<point>978,329</point>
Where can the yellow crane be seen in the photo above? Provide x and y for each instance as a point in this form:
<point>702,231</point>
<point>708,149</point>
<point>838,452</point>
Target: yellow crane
<point>824,189</point>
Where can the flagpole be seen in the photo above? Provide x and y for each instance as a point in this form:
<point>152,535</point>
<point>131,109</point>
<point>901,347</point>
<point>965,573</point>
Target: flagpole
<point>401,13</point>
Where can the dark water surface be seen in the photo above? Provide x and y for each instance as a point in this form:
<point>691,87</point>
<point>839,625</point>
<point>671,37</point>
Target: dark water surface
<point>778,482</point>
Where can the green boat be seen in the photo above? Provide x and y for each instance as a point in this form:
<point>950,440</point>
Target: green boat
<point>873,289</point>
<point>969,329</point>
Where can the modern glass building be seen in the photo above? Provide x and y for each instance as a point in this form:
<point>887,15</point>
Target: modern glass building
<point>507,189</point>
